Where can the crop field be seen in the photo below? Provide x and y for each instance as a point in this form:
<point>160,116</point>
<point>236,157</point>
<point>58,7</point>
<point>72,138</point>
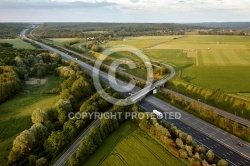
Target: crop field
<point>223,57</point>
<point>215,62</point>
<point>131,146</point>
<point>142,42</point>
<point>17,43</point>
<point>15,114</point>
<point>229,79</point>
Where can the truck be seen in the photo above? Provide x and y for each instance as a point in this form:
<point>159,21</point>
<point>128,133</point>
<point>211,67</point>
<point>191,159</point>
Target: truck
<point>158,114</point>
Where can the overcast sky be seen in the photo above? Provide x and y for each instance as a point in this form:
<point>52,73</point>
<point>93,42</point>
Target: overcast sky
<point>124,10</point>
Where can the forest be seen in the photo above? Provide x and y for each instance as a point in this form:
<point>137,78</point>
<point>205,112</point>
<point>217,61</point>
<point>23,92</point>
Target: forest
<point>69,30</point>
<point>17,65</point>
<point>11,30</point>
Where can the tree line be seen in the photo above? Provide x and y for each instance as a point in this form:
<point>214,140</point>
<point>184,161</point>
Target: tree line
<point>208,114</point>
<point>56,130</point>
<point>11,30</point>
<point>180,143</point>
<point>81,30</point>
<point>215,98</point>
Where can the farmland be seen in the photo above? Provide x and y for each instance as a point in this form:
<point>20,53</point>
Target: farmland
<point>17,43</point>
<point>15,114</point>
<point>208,61</point>
<point>214,62</point>
<point>142,42</point>
<point>130,146</point>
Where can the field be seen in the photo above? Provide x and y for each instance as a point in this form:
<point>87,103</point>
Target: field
<point>18,43</point>
<point>15,114</point>
<point>232,79</point>
<point>142,42</point>
<point>215,62</point>
<point>131,146</point>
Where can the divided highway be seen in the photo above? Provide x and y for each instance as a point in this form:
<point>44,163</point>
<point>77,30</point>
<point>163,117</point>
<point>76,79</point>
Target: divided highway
<point>222,143</point>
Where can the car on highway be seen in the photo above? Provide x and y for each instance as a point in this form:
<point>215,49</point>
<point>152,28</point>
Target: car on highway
<point>158,114</point>
<point>240,144</point>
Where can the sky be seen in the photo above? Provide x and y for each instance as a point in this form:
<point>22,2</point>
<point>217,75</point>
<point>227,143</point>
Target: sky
<point>155,11</point>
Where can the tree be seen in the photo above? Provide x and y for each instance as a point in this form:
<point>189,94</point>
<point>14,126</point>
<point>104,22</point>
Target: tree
<point>32,160</point>
<point>189,140</point>
<point>86,148</point>
<point>22,145</point>
<point>42,162</point>
<point>95,135</point>
<point>40,132</point>
<point>69,129</point>
<point>183,153</point>
<point>63,107</point>
<point>54,144</point>
<point>222,162</point>
<point>210,156</point>
<point>179,143</point>
<point>39,116</point>
<point>108,125</point>
<point>189,149</point>
<point>73,160</point>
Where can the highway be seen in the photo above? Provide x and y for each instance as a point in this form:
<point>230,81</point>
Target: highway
<point>219,111</point>
<point>224,146</point>
<point>161,82</point>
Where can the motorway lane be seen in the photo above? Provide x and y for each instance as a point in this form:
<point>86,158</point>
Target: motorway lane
<point>219,111</point>
<point>204,127</point>
<point>219,149</point>
<point>62,160</point>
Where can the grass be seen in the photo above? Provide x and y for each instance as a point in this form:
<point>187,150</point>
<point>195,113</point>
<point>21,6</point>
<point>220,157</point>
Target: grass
<point>171,56</point>
<point>223,66</point>
<point>131,146</point>
<point>18,43</point>
<point>229,79</point>
<point>207,41</point>
<point>223,57</point>
<point>15,114</point>
<point>142,42</point>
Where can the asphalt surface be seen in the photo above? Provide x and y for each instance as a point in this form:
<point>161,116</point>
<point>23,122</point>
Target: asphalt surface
<point>219,111</point>
<point>223,144</point>
<point>233,154</point>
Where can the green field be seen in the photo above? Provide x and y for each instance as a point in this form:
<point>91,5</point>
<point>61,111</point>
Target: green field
<point>18,43</point>
<point>227,79</point>
<point>15,114</point>
<point>129,145</point>
<point>207,41</point>
<point>215,62</point>
<point>142,42</point>
<point>224,57</point>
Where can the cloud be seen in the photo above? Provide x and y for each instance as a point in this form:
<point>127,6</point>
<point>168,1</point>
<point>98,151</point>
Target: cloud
<point>47,4</point>
<point>124,10</point>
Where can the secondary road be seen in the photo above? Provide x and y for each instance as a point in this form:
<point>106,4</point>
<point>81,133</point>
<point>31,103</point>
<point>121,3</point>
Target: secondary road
<point>232,153</point>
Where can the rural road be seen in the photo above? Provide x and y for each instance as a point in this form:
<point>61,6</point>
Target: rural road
<point>222,143</point>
